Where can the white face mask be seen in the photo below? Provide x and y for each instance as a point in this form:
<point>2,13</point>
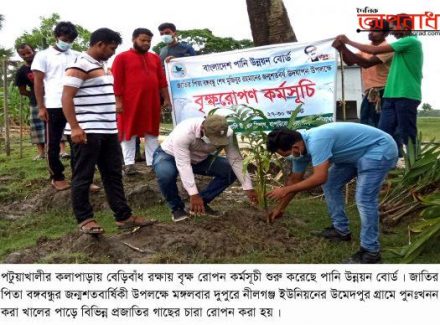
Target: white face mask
<point>64,46</point>
<point>205,139</point>
<point>297,157</point>
<point>167,39</point>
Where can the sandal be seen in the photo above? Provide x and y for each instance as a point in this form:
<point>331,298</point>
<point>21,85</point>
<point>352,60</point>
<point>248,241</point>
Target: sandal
<point>133,222</point>
<point>94,230</point>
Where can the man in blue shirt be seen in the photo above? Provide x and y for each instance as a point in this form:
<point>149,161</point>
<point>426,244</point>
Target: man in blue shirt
<point>173,48</point>
<point>338,152</point>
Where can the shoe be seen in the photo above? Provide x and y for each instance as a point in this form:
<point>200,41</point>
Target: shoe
<point>179,215</point>
<point>90,230</point>
<point>364,257</point>
<point>331,233</point>
<point>130,170</point>
<point>60,185</point>
<point>64,155</point>
<point>94,188</point>
<point>400,163</point>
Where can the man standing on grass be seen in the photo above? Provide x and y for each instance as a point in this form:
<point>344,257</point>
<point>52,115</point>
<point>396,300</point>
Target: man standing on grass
<point>24,80</point>
<point>338,152</point>
<point>403,90</point>
<point>89,106</point>
<point>139,83</point>
<point>48,68</point>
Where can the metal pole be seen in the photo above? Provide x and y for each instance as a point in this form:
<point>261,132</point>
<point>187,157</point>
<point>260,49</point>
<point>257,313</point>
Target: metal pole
<point>5,104</point>
<point>21,126</point>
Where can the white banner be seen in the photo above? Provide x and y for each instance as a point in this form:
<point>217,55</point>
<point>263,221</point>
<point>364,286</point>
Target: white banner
<point>275,79</point>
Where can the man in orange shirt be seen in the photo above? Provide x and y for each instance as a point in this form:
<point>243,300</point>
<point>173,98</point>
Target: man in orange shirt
<point>375,70</point>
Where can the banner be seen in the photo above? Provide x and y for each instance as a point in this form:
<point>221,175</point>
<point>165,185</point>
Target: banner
<point>275,79</point>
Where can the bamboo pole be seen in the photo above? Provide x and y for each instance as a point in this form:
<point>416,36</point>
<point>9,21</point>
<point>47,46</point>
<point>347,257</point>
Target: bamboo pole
<point>344,115</point>
<point>5,107</point>
<point>21,126</point>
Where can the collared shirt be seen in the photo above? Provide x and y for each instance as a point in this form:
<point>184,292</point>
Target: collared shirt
<point>53,63</point>
<point>178,50</point>
<point>344,143</point>
<point>95,104</point>
<point>185,144</point>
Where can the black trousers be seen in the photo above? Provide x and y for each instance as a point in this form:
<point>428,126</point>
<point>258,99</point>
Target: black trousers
<point>54,132</point>
<point>104,151</point>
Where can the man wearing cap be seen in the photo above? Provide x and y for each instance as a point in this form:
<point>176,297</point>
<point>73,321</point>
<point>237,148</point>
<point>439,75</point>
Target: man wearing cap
<point>188,150</point>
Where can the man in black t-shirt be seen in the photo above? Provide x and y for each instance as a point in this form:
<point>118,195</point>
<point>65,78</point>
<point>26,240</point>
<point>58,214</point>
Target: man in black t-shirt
<point>24,80</point>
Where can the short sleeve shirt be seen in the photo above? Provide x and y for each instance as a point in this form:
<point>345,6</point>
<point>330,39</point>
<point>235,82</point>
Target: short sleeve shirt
<point>405,76</point>
<point>53,64</point>
<point>344,143</point>
<point>376,76</point>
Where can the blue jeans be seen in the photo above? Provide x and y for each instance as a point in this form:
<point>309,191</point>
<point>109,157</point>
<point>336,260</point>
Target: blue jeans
<point>399,115</point>
<point>370,175</point>
<point>164,166</point>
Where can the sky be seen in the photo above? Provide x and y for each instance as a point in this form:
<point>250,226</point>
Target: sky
<point>311,21</point>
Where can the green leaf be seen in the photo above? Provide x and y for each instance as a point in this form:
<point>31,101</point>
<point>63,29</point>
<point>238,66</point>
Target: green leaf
<point>417,246</point>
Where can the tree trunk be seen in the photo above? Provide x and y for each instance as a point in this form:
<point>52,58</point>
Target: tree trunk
<point>270,23</point>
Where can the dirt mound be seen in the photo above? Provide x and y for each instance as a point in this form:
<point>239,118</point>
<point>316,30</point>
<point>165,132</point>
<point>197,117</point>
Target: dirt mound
<point>239,231</point>
<point>234,234</point>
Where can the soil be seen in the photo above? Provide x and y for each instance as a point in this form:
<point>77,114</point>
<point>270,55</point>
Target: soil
<point>241,229</point>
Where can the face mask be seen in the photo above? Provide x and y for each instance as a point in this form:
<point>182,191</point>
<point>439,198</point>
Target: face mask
<point>167,39</point>
<point>297,157</point>
<point>64,46</point>
<point>205,139</point>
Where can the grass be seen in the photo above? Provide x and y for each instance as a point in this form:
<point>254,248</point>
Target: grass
<point>429,126</point>
<point>21,177</point>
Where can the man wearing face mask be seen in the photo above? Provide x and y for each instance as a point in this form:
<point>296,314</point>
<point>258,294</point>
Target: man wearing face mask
<point>338,152</point>
<point>48,69</point>
<point>173,48</point>
<point>139,81</point>
<point>188,150</point>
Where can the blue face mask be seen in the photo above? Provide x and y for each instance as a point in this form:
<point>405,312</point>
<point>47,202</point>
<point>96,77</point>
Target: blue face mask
<point>167,39</point>
<point>64,46</point>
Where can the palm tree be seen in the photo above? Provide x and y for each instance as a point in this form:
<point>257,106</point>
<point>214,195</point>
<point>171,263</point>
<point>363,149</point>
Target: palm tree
<point>270,23</point>
<point>2,18</point>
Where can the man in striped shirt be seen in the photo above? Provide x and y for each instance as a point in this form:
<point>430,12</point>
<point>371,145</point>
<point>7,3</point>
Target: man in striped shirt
<point>89,106</point>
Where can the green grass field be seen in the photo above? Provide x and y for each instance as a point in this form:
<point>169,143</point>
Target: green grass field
<point>21,178</point>
<point>430,128</point>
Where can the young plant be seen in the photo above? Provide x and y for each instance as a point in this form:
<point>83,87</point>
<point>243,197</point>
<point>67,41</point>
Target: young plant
<point>250,124</point>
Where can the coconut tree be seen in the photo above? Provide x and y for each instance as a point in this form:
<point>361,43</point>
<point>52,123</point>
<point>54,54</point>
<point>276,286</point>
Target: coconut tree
<point>269,21</point>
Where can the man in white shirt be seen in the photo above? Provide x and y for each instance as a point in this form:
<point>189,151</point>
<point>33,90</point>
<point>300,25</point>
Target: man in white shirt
<point>188,150</point>
<point>48,68</point>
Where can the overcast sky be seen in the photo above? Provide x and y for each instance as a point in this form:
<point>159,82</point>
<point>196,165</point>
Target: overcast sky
<point>311,20</point>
